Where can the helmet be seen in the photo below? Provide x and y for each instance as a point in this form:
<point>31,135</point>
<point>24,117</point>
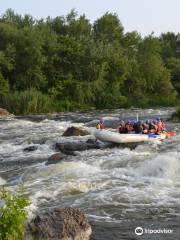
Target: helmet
<point>158,119</point>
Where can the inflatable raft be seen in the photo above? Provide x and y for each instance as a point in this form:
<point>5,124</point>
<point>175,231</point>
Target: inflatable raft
<point>109,136</point>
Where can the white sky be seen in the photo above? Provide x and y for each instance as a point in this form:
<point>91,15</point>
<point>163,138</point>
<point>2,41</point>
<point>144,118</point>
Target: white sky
<point>144,16</point>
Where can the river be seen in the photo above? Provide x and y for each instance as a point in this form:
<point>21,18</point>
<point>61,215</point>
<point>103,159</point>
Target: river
<point>118,188</point>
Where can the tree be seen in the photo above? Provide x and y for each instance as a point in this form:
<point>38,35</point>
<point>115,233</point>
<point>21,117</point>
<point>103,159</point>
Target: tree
<point>156,77</point>
<point>18,20</point>
<point>170,45</point>
<point>29,60</point>
<point>108,28</point>
<point>173,64</point>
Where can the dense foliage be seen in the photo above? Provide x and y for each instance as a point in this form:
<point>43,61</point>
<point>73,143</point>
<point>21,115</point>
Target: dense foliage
<point>176,116</point>
<point>13,214</point>
<point>67,63</point>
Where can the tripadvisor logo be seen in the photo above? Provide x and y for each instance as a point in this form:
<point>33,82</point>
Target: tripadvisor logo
<point>139,231</point>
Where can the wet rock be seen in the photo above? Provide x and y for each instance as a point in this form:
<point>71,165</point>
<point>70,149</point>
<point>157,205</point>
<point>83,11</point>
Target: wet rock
<point>75,131</point>
<point>60,224</point>
<point>91,141</point>
<point>55,158</point>
<point>69,148</point>
<point>61,147</point>
<point>4,113</point>
<point>30,148</point>
<point>77,146</point>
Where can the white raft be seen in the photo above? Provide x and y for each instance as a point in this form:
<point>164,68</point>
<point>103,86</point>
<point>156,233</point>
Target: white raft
<point>115,137</point>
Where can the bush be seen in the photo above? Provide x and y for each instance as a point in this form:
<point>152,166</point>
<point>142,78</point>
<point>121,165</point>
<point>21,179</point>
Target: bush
<point>176,116</point>
<point>29,101</point>
<point>13,214</point>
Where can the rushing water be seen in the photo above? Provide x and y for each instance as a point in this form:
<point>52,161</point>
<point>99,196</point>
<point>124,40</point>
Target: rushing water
<point>119,188</point>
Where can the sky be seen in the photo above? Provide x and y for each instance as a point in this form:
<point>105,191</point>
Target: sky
<point>144,16</point>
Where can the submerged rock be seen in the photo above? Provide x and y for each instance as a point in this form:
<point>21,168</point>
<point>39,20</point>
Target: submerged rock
<point>59,224</point>
<point>75,131</point>
<point>38,141</point>
<point>55,158</point>
<point>30,148</point>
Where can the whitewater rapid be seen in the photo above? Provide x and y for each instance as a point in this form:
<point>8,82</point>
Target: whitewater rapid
<point>113,185</point>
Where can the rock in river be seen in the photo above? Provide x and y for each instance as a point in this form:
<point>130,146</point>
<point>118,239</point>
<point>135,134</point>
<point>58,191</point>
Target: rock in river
<point>77,146</point>
<point>75,131</point>
<point>55,158</point>
<point>60,224</point>
<point>69,147</point>
<point>30,148</point>
<point>5,113</point>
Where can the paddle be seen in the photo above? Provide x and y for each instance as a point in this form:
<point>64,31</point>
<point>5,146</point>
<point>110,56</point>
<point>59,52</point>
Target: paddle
<point>170,134</point>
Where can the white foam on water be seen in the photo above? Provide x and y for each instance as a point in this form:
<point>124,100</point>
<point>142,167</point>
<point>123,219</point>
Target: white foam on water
<point>66,170</point>
<point>2,181</point>
<point>164,167</point>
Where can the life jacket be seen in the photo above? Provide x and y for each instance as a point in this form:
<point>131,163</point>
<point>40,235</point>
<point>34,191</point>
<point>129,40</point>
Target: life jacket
<point>100,126</point>
<point>163,126</point>
<point>129,127</point>
<point>152,128</point>
<point>122,129</point>
<point>159,127</point>
<point>138,128</point>
<point>145,128</point>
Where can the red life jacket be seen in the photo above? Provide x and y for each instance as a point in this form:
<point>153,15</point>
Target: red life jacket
<point>159,127</point>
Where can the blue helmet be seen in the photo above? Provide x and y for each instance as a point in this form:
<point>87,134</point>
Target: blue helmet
<point>158,119</point>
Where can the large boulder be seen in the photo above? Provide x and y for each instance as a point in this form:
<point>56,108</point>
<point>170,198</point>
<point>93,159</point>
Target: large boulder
<point>69,148</point>
<point>4,113</point>
<point>59,224</point>
<point>75,131</point>
<point>77,146</point>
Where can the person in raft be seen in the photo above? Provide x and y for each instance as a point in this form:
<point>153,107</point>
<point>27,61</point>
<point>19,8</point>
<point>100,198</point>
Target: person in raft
<point>153,126</point>
<point>100,124</point>
<point>122,127</point>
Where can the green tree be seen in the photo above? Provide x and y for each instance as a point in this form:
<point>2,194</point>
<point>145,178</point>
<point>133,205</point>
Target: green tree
<point>29,60</point>
<point>108,28</point>
<point>170,45</point>
<point>173,64</point>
